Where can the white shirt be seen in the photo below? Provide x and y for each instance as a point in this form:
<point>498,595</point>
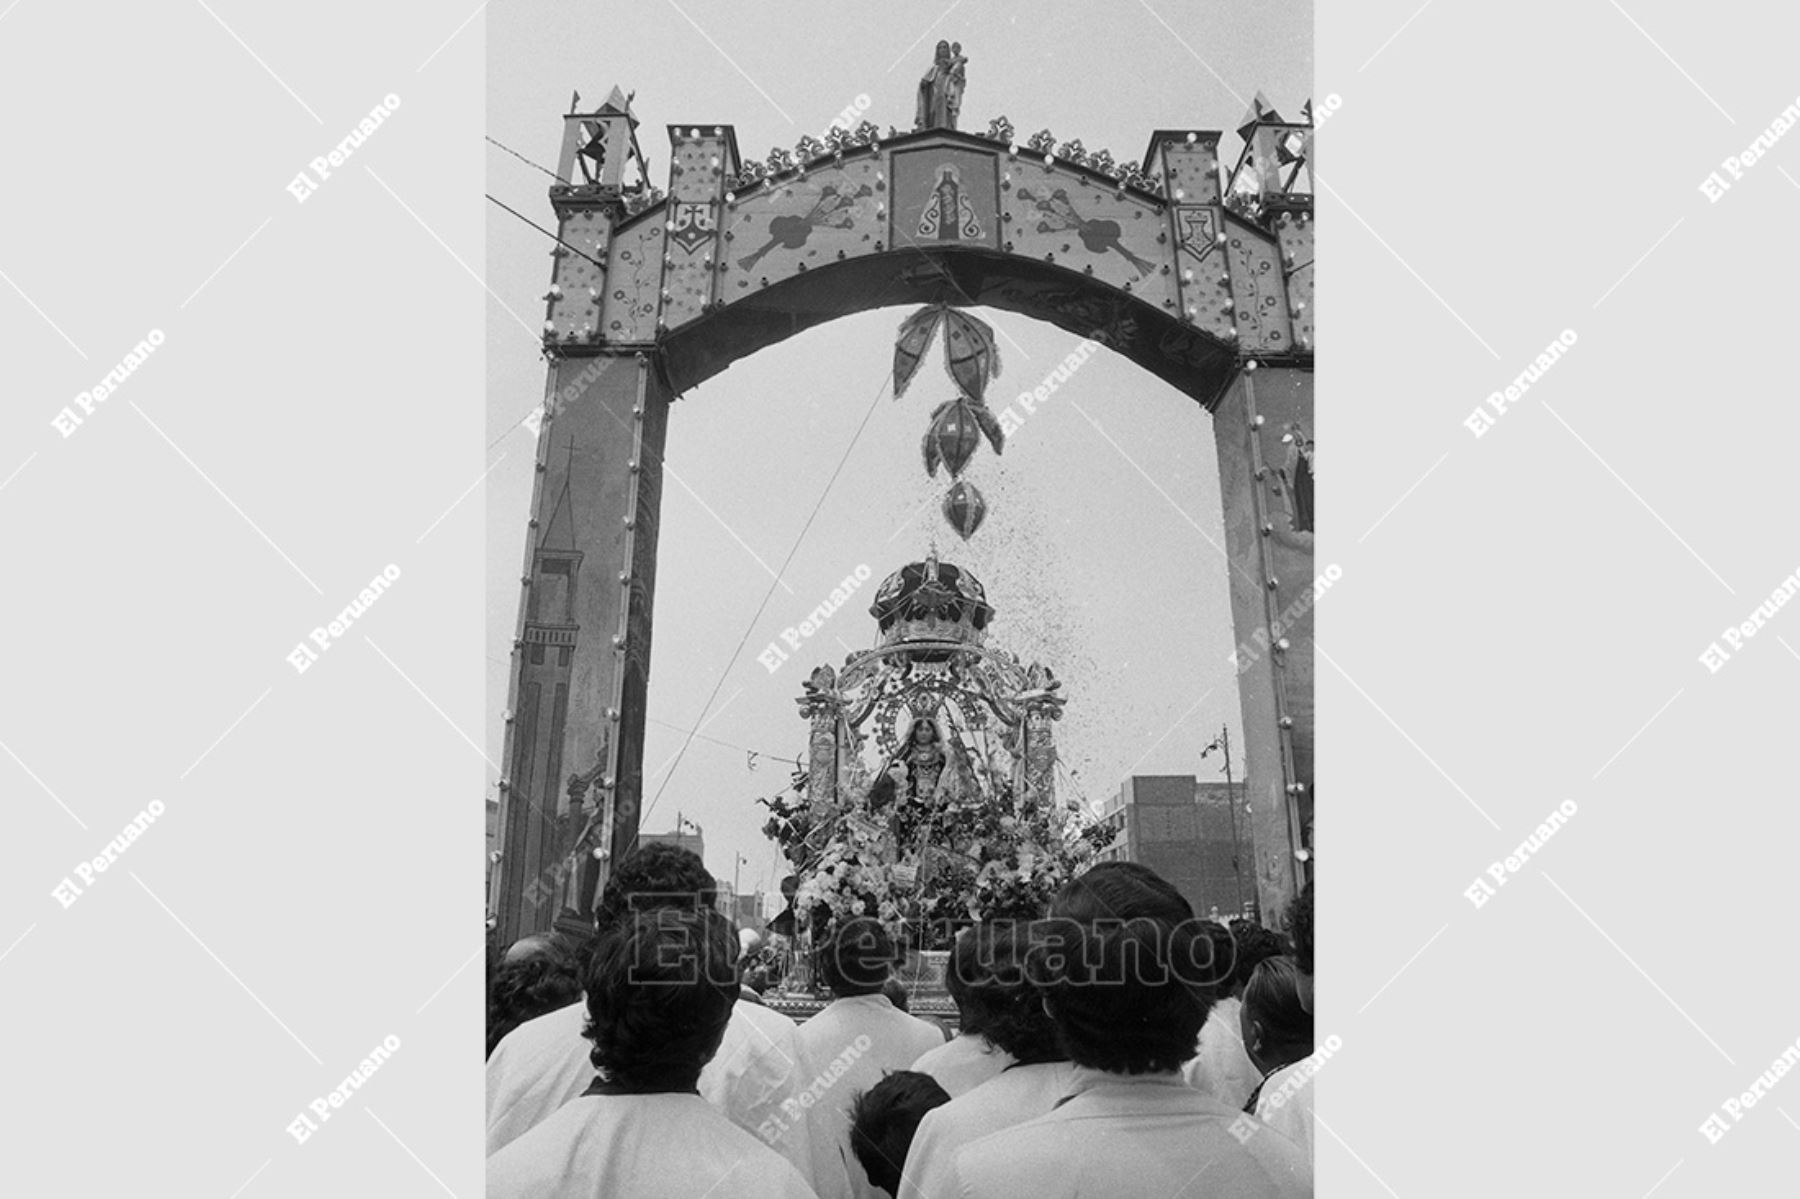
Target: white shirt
<point>961,1065</point>
<point>1019,1094</point>
<point>669,1146</point>
<point>1220,1067</point>
<point>544,1063</point>
<point>851,1044</point>
<point>1121,1136</point>
<point>1286,1103</point>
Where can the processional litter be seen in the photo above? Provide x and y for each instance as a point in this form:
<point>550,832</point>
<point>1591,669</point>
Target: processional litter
<point>1200,274</point>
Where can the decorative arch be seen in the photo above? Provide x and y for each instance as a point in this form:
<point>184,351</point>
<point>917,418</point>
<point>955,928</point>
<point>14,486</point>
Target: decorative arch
<point>1202,276</point>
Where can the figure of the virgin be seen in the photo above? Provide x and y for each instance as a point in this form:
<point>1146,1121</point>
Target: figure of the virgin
<point>940,91</point>
<point>924,756</point>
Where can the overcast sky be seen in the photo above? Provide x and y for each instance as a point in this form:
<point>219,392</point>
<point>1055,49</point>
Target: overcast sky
<point>1095,554</point>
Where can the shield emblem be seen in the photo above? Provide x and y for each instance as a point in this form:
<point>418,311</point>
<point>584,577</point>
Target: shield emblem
<point>1197,230</point>
<point>694,224</point>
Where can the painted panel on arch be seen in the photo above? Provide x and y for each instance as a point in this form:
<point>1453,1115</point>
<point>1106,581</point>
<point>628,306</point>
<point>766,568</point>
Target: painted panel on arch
<point>1295,231</point>
<point>634,282</point>
<point>1066,218</point>
<point>802,223</point>
<point>1206,298</point>
<point>945,196</point>
<point>1260,289</point>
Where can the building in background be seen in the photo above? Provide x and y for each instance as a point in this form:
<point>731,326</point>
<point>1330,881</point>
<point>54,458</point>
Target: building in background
<point>1184,830</point>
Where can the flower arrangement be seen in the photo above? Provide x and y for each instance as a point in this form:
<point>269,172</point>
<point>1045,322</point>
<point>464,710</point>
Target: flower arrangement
<point>927,867</point>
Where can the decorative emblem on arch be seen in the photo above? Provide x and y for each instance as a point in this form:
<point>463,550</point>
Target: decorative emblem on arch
<point>1198,229</point>
<point>945,195</point>
<point>948,215</point>
<point>694,225</point>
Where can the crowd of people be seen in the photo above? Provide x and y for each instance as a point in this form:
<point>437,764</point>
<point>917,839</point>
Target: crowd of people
<point>1115,1046</point>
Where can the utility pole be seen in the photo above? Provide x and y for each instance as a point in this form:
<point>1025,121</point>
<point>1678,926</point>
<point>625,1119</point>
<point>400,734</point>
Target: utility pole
<point>1223,743</point>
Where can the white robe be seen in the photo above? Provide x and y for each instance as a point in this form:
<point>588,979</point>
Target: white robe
<point>669,1146</point>
<point>544,1063</point>
<point>1220,1067</point>
<point>961,1065</point>
<point>1020,1094</point>
<point>1124,1136</point>
<point>851,1044</point>
<point>1286,1103</point>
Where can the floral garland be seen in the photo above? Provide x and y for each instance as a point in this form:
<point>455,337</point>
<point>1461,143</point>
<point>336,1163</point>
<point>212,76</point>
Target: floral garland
<point>925,869</point>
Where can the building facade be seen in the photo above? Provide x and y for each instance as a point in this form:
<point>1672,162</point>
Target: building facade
<point>1186,831</point>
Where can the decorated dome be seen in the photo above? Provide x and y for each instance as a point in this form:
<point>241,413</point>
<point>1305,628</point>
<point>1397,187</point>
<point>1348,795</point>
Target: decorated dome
<point>932,601</point>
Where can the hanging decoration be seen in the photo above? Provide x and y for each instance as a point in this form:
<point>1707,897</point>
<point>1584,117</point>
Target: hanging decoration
<point>965,508</point>
<point>909,348</point>
<point>956,430</point>
<point>957,427</point>
<point>970,354</point>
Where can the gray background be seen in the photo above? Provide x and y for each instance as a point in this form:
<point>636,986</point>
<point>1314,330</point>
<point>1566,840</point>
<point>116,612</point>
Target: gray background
<point>312,886</point>
<point>1518,622</point>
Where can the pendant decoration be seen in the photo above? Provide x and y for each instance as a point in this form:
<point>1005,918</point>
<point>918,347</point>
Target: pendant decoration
<point>970,354</point>
<point>956,431</point>
<point>965,508</point>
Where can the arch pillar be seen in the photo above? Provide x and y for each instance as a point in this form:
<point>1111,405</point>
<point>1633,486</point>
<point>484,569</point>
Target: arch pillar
<point>1262,428</point>
<point>573,758</point>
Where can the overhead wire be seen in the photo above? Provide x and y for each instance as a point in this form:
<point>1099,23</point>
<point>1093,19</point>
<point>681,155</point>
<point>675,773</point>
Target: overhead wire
<point>767,595</point>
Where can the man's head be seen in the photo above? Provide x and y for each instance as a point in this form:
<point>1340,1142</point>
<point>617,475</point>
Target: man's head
<point>1300,926</point>
<point>535,945</point>
<point>1120,890</point>
<point>855,960</point>
<point>660,987</point>
<point>884,1118</point>
<point>895,990</point>
<point>1251,943</point>
<point>1277,1028</point>
<point>655,876</point>
<point>997,1000</point>
<point>540,973</point>
<point>1128,974</point>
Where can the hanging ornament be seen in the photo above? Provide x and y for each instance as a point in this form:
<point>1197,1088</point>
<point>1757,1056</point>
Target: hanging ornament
<point>964,508</point>
<point>970,354</point>
<point>956,431</point>
<point>910,346</point>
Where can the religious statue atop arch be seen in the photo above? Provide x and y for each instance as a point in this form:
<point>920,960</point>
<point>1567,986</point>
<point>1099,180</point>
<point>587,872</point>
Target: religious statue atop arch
<point>941,90</point>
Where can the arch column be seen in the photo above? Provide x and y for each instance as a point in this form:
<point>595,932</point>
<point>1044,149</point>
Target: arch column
<point>580,666</point>
<point>1265,484</point>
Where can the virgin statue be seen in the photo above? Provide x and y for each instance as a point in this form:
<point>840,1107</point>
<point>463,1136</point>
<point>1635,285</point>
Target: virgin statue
<point>941,90</point>
<point>924,757</point>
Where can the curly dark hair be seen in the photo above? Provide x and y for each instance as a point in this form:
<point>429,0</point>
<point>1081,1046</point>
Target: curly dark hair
<point>546,977</point>
<point>1009,1010</point>
<point>653,876</point>
<point>966,974</point>
<point>1251,943</point>
<point>1128,973</point>
<point>884,1118</point>
<point>1121,890</point>
<point>660,986</point>
<point>857,958</point>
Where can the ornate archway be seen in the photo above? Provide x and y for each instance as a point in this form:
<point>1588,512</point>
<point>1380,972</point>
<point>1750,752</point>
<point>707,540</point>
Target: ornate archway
<point>1200,275</point>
